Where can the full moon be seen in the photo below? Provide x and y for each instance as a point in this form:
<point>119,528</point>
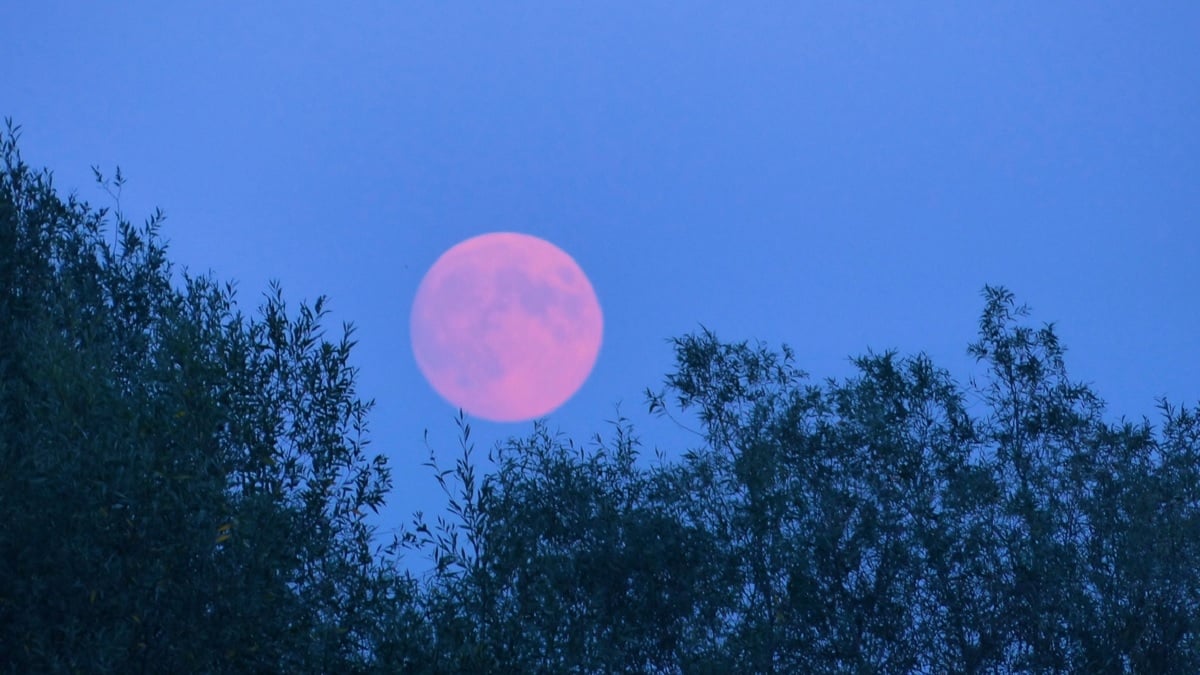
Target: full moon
<point>506,326</point>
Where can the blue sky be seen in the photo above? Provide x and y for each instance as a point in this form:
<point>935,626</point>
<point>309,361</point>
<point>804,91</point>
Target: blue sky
<point>836,176</point>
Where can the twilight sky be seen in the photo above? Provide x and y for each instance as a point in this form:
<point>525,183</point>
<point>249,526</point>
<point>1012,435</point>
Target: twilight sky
<point>836,176</point>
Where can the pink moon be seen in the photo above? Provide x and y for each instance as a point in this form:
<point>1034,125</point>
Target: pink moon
<point>506,326</point>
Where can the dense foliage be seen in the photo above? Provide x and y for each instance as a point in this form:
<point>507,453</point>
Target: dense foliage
<point>869,525</point>
<point>184,489</point>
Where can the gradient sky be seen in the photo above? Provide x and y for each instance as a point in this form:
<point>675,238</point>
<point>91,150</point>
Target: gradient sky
<point>837,176</point>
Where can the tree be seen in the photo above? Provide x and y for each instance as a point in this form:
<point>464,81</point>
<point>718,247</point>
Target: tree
<point>182,488</point>
<point>575,560</point>
<point>871,524</point>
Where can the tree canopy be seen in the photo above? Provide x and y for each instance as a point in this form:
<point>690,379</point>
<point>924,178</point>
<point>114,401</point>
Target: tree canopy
<point>186,488</point>
<point>183,488</point>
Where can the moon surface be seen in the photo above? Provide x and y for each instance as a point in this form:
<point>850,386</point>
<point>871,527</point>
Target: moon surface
<point>506,326</point>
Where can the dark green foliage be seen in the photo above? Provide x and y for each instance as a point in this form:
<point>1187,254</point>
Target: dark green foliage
<point>579,562</point>
<point>182,488</point>
<point>867,525</point>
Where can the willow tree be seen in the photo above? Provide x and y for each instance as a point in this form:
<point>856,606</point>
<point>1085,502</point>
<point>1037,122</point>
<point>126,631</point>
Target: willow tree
<point>894,521</point>
<point>183,488</point>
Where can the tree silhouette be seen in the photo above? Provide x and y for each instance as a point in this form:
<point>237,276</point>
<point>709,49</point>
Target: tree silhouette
<point>865,525</point>
<point>182,488</point>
